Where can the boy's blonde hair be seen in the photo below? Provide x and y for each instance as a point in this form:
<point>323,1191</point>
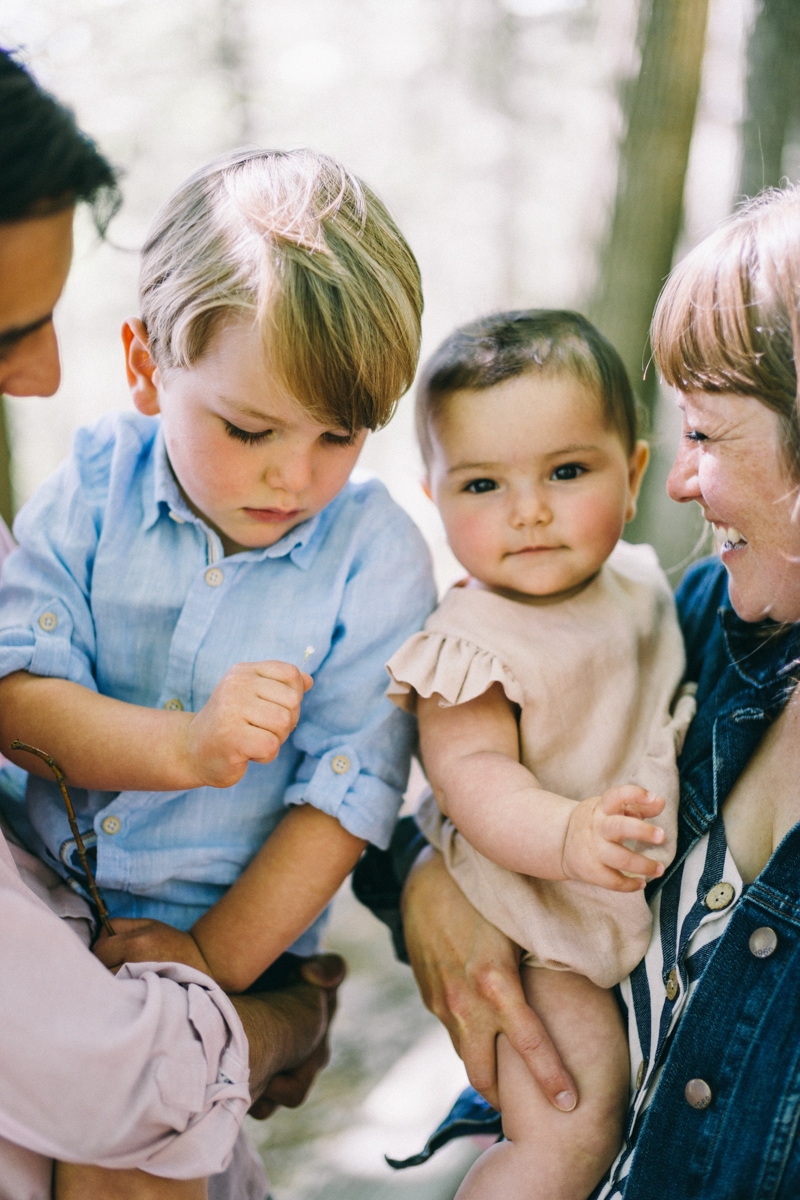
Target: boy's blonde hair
<point>728,319</point>
<point>294,242</point>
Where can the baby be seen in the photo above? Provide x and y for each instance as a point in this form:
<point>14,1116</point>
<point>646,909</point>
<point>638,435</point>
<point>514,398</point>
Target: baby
<point>544,686</point>
<point>183,565</point>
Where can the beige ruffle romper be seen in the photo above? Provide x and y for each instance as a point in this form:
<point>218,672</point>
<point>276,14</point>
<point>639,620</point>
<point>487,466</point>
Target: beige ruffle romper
<point>596,678</point>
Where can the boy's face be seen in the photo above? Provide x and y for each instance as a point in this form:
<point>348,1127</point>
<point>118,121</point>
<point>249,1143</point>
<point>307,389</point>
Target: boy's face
<point>248,457</point>
<point>533,488</point>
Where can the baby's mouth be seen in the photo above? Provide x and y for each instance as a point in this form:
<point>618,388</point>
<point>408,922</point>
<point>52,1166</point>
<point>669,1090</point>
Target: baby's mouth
<point>727,537</point>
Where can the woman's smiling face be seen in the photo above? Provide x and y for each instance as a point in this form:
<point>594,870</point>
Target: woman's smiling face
<point>730,461</point>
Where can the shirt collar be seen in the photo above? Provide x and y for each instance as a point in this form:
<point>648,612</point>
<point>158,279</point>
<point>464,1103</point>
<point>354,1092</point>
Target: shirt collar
<point>301,544</point>
<point>763,654</point>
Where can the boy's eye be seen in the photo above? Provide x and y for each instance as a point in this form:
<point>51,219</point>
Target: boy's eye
<point>477,486</point>
<point>568,471</point>
<point>244,435</point>
<point>339,439</point>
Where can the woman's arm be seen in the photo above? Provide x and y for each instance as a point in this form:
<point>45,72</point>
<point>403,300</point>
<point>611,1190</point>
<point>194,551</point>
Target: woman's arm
<point>471,757</point>
<point>291,880</point>
<point>468,974</point>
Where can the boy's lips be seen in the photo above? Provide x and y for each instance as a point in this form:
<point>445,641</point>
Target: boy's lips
<point>273,516</point>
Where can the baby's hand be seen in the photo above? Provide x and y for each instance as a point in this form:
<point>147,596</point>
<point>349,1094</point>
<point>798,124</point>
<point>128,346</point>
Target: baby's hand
<point>248,717</point>
<point>137,939</point>
<point>593,849</point>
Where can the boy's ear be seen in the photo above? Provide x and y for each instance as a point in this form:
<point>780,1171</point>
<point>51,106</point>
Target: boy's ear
<point>140,368</point>
<point>637,464</point>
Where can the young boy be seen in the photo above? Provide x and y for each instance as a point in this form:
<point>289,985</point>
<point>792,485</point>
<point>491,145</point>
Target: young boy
<point>184,564</point>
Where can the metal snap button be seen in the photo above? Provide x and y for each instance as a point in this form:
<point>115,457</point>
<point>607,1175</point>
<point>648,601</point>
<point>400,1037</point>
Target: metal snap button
<point>214,577</point>
<point>340,764</point>
<point>174,706</point>
<point>672,985</point>
<point>48,621</point>
<point>719,896</point>
<point>698,1093</point>
<point>640,1074</point>
<point>111,825</point>
<point>763,942</point>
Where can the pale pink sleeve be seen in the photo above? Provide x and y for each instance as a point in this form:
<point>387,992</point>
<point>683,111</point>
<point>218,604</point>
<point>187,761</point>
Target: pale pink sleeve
<point>146,1069</point>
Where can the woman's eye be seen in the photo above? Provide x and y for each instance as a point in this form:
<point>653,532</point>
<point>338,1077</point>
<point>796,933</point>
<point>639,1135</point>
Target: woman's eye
<point>244,435</point>
<point>694,435</point>
<point>568,471</point>
<point>477,486</point>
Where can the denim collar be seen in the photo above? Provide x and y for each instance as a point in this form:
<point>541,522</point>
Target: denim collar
<point>301,544</point>
<point>761,654</point>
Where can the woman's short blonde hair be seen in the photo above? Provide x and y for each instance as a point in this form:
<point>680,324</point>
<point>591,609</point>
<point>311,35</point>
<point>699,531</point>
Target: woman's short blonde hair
<point>728,319</point>
<point>294,242</point>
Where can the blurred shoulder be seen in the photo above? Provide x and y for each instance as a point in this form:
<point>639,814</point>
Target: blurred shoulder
<point>117,438</point>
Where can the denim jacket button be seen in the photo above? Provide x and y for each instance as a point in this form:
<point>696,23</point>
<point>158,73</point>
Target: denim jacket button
<point>698,1093</point>
<point>672,985</point>
<point>763,942</point>
<point>719,896</point>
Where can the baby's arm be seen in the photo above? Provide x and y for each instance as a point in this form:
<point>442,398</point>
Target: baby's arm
<point>291,880</point>
<point>109,745</point>
<point>471,757</point>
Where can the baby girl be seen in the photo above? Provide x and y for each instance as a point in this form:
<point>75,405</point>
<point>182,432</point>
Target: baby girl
<point>545,686</point>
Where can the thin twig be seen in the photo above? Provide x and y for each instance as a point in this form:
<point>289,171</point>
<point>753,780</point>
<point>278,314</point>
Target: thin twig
<point>73,824</point>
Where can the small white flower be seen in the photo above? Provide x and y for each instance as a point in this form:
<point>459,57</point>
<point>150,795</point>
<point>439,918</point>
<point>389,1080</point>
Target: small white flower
<point>309,651</point>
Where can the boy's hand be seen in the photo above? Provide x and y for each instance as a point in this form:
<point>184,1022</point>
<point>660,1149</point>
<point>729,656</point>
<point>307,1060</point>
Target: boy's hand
<point>138,939</point>
<point>248,717</point>
<point>593,848</point>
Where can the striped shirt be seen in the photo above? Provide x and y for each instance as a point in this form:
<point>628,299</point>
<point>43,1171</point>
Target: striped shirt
<point>690,914</point>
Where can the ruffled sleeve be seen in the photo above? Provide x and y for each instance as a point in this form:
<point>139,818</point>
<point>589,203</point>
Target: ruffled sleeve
<point>456,669</point>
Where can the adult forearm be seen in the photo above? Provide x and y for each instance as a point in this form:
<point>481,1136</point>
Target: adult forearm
<point>98,742</point>
<point>497,805</point>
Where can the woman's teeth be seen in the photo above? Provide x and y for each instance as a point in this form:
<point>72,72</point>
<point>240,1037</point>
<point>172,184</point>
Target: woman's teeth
<point>727,537</point>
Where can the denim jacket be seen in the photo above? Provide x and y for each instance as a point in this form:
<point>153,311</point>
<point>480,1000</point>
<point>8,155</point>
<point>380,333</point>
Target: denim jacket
<point>741,1030</point>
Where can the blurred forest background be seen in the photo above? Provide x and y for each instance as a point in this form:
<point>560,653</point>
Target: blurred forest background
<point>536,153</point>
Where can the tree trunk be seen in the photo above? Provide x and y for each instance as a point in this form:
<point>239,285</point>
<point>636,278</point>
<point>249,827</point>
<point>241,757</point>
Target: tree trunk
<point>660,111</point>
<point>773,93</point>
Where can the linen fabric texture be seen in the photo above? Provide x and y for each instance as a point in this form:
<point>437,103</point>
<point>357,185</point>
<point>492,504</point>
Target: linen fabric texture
<point>119,586</point>
<point>596,679</point>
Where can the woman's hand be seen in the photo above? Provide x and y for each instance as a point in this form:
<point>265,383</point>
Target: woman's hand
<point>468,974</point>
<point>593,847</point>
<point>247,718</point>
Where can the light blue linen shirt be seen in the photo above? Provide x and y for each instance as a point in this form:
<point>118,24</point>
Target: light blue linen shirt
<point>118,586</point>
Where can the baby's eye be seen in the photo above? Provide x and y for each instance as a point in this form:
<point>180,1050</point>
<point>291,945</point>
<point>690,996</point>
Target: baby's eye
<point>477,486</point>
<point>244,435</point>
<point>568,471</point>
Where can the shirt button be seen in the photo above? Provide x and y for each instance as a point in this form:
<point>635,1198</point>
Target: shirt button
<point>763,942</point>
<point>640,1074</point>
<point>214,577</point>
<point>173,706</point>
<point>719,897</point>
<point>698,1093</point>
<point>340,764</point>
<point>48,622</point>
<point>111,825</point>
<point>672,985</point>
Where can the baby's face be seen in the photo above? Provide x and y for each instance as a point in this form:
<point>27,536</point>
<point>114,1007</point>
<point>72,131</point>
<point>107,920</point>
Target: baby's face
<point>533,488</point>
<point>249,458</point>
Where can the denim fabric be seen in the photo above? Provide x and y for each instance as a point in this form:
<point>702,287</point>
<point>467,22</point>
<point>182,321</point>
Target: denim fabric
<point>118,586</point>
<point>741,1030</point>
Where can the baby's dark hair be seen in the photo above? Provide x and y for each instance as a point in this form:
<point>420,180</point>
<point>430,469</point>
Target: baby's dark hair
<point>503,345</point>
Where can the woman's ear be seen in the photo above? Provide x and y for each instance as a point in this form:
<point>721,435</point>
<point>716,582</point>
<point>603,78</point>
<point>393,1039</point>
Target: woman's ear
<point>637,464</point>
<point>141,370</point>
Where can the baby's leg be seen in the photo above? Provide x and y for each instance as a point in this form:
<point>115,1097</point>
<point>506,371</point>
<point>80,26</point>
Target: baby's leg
<point>550,1155</point>
<point>76,1182</point>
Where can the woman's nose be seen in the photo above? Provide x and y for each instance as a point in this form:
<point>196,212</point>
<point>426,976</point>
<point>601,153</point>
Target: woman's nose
<point>32,367</point>
<point>682,482</point>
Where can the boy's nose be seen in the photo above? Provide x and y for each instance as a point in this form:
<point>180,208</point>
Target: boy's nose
<point>291,473</point>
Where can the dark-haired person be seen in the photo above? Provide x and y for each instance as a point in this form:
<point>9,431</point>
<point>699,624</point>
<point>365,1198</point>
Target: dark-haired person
<point>160,1078</point>
<point>712,1008</point>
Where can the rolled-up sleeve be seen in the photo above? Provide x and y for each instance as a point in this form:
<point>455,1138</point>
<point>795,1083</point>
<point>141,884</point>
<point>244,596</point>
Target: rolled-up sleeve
<point>356,745</point>
<point>146,1069</point>
<point>46,624</point>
